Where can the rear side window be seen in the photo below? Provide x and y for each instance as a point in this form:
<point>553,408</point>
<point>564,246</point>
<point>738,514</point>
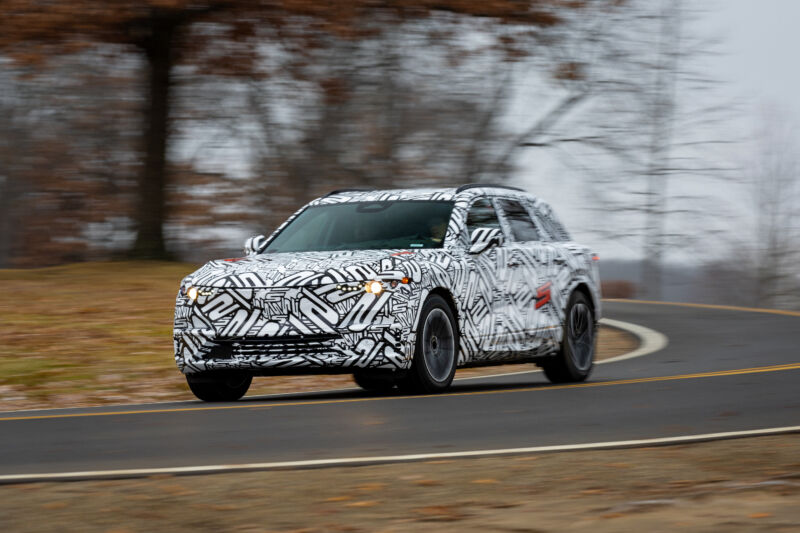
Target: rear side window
<point>550,224</point>
<point>522,227</point>
<point>481,215</point>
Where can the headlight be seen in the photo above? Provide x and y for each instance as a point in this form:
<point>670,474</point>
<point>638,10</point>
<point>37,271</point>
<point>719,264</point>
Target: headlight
<point>191,292</point>
<point>374,287</point>
<point>371,287</point>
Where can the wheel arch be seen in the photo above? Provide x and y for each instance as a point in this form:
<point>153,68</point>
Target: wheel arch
<point>583,288</point>
<point>448,297</point>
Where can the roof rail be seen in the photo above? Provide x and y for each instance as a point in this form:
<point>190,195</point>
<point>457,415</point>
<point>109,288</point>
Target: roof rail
<point>488,185</point>
<point>338,191</point>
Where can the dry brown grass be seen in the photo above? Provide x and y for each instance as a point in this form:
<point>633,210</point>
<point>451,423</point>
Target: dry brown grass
<point>733,486</point>
<point>618,289</point>
<point>99,333</point>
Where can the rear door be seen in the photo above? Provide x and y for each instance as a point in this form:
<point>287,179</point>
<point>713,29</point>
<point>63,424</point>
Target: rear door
<point>570,261</point>
<point>533,295</point>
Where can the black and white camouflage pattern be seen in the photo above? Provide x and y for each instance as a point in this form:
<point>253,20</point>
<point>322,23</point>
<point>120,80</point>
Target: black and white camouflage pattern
<point>299,310</point>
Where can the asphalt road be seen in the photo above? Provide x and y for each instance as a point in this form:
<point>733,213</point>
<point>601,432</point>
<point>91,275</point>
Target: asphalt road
<point>717,374</point>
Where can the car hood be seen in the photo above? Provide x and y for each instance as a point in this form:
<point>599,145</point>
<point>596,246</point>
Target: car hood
<point>308,268</point>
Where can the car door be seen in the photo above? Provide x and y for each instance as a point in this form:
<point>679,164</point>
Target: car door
<point>532,269</point>
<point>485,314</point>
<point>569,261</point>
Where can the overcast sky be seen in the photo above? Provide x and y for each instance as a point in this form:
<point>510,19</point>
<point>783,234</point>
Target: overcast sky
<point>757,68</point>
<point>760,42</point>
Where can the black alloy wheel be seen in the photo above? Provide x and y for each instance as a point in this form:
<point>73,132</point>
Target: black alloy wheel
<point>576,359</point>
<point>436,351</point>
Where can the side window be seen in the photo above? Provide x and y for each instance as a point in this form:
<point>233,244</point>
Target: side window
<point>552,225</point>
<point>522,227</point>
<point>481,215</point>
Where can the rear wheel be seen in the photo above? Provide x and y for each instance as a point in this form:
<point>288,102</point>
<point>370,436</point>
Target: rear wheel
<point>227,387</point>
<point>373,383</point>
<point>436,351</point>
<point>575,360</point>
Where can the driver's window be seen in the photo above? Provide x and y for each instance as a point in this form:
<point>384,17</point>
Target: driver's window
<point>481,215</point>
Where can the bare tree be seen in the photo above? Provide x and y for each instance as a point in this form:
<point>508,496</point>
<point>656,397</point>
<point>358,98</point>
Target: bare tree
<point>775,184</point>
<point>759,265</point>
<point>643,132</point>
<point>417,103</point>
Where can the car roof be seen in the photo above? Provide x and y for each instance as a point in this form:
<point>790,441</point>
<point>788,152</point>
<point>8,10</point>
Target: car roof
<point>443,193</point>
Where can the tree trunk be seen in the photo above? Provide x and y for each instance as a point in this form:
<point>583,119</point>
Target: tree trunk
<point>659,151</point>
<point>7,199</point>
<point>150,210</point>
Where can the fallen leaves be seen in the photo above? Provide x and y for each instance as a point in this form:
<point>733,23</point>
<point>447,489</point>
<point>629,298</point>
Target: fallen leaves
<point>485,481</point>
<point>363,503</point>
<point>427,482</point>
<point>443,513</point>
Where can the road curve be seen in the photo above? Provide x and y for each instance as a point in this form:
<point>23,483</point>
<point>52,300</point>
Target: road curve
<point>724,370</point>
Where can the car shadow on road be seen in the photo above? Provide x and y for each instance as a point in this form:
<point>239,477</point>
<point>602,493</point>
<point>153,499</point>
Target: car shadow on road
<point>358,394</point>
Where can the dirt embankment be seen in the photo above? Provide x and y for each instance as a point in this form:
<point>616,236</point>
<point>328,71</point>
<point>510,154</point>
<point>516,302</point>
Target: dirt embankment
<point>738,485</point>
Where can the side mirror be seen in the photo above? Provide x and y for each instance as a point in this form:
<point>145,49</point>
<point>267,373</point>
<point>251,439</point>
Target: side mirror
<point>484,238</point>
<point>255,245</point>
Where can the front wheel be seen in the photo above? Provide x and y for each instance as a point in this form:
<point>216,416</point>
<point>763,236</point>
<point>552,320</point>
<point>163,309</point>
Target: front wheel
<point>575,360</point>
<point>227,387</point>
<point>436,350</point>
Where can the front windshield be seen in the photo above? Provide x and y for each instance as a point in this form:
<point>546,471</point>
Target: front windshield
<point>365,226</point>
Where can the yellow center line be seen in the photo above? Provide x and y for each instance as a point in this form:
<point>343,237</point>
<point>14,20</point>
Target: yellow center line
<point>244,405</point>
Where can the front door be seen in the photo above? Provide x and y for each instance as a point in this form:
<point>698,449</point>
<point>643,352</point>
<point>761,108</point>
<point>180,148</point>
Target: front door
<point>486,313</point>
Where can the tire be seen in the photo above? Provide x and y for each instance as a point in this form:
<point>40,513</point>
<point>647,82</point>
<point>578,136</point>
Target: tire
<point>436,350</point>
<point>373,383</point>
<point>227,387</point>
<point>575,360</point>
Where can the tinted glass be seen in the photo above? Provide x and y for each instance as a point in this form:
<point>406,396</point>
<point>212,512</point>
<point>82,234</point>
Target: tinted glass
<point>365,226</point>
<point>522,227</point>
<point>482,215</point>
<point>551,225</point>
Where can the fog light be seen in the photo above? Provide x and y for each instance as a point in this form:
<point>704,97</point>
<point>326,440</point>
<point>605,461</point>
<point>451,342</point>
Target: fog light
<point>374,287</point>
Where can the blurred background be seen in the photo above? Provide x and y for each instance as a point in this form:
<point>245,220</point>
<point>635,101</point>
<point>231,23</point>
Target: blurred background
<point>664,132</point>
<point>141,138</point>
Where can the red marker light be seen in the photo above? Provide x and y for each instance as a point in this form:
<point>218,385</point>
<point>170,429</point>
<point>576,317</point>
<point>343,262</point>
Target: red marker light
<point>595,258</point>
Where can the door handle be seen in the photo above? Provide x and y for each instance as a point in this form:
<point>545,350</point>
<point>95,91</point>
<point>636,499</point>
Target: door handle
<point>512,264</point>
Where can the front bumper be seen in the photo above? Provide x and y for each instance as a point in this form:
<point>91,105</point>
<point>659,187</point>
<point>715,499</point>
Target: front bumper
<point>304,329</point>
<point>200,351</point>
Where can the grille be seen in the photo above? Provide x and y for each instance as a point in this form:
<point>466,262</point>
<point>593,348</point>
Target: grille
<point>279,346</point>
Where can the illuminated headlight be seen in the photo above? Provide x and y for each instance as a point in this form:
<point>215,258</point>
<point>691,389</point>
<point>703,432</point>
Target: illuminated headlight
<point>374,287</point>
<point>192,292</point>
